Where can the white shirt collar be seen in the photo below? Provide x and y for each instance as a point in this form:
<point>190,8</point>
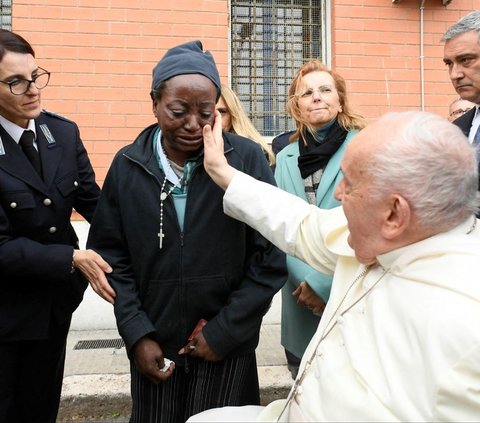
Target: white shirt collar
<point>16,131</point>
<point>167,169</point>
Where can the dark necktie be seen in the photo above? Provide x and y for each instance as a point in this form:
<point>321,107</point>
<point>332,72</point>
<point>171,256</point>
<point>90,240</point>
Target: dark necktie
<point>476,138</point>
<point>26,142</point>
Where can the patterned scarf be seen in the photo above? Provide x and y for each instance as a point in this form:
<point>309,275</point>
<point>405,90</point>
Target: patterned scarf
<point>315,152</point>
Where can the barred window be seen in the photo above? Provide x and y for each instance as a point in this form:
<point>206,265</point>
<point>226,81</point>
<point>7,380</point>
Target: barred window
<point>270,40</point>
<point>6,14</point>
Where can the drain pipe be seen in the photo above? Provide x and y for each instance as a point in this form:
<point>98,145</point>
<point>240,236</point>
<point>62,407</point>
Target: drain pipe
<point>422,62</point>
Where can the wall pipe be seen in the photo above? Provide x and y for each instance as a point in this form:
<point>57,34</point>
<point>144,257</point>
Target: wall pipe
<point>422,61</point>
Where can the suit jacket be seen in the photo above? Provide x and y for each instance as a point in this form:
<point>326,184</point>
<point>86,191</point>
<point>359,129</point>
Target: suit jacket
<point>36,237</point>
<point>464,122</point>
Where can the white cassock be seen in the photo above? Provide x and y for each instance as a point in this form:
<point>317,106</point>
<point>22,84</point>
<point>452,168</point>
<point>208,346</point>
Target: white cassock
<point>399,341</point>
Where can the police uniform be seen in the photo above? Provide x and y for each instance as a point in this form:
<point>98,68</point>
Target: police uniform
<point>281,141</point>
<point>38,289</point>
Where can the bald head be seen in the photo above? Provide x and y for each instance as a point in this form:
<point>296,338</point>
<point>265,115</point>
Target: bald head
<point>425,159</point>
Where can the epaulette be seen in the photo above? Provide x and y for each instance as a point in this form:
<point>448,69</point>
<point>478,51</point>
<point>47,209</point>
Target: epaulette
<point>56,115</point>
<point>288,131</point>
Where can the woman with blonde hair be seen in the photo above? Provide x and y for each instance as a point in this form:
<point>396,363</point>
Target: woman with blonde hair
<point>309,167</point>
<point>235,120</point>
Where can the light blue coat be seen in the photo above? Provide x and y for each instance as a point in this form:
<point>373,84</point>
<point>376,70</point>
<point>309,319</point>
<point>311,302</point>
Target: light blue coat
<point>299,323</point>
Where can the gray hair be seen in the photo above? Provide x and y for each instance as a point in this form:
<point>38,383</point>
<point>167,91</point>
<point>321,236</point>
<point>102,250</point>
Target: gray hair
<point>470,22</point>
<point>431,164</point>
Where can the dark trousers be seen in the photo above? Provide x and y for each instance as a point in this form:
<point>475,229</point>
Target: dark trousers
<point>206,385</point>
<point>31,374</point>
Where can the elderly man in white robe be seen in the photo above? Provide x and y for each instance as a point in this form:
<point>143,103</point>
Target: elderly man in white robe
<point>400,338</point>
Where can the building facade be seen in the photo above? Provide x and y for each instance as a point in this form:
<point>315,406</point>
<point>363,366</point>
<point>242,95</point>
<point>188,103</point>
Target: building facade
<point>101,55</point>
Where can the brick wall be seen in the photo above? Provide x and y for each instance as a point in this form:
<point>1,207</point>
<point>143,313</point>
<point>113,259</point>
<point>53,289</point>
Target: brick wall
<point>377,50</point>
<point>101,56</point>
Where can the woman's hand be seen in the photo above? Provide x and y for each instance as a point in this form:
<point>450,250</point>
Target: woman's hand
<point>94,267</point>
<point>149,360</point>
<point>308,298</point>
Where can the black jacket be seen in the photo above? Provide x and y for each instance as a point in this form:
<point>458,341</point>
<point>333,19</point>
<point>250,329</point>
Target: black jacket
<point>217,269</point>
<point>36,237</point>
<point>281,141</point>
<point>464,122</point>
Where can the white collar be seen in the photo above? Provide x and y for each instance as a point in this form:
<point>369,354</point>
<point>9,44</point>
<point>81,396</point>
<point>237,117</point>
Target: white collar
<point>16,131</point>
<point>167,169</point>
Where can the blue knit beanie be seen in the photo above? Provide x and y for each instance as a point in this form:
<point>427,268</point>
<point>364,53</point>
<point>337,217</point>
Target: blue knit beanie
<point>184,59</point>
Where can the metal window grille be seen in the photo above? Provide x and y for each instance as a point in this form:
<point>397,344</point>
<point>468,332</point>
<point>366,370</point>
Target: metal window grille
<point>270,40</point>
<point>6,14</point>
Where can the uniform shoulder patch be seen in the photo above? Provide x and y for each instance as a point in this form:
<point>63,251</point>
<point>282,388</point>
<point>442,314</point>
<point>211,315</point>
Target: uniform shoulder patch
<point>284,133</point>
<point>53,114</point>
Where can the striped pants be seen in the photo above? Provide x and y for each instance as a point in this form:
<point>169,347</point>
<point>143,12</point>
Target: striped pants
<point>205,385</point>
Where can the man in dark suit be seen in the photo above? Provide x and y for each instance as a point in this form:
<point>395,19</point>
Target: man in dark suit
<point>462,57</point>
<point>45,173</point>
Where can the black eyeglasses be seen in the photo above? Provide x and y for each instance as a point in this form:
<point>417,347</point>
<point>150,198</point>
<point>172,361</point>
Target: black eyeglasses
<point>21,86</point>
<point>460,111</point>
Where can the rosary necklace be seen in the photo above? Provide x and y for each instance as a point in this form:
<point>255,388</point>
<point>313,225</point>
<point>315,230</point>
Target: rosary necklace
<point>167,168</point>
<point>163,196</point>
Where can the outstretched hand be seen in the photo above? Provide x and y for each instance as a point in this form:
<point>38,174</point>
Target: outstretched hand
<point>214,160</point>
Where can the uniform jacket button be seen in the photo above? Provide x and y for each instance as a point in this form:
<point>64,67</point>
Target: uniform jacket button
<point>47,201</point>
<point>13,205</point>
<point>52,229</point>
<point>75,184</point>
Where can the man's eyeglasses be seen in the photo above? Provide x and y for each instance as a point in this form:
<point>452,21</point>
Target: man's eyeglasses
<point>460,111</point>
<point>21,86</point>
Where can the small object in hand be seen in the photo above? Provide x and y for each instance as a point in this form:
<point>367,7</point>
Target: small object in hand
<point>201,323</point>
<point>191,347</point>
<point>167,363</point>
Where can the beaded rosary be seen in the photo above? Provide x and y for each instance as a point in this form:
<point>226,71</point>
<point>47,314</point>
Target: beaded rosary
<point>163,196</point>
